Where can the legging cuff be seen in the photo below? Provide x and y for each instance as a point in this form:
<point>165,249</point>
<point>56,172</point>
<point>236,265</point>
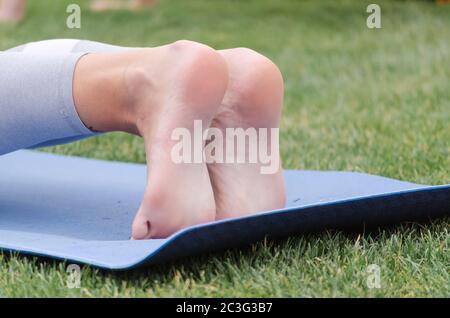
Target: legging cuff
<point>36,103</point>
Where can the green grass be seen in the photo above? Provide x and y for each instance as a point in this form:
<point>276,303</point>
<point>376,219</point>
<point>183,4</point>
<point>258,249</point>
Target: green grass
<point>357,99</point>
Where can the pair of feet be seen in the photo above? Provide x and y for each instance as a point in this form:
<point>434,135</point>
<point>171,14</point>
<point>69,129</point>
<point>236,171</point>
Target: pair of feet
<point>152,92</point>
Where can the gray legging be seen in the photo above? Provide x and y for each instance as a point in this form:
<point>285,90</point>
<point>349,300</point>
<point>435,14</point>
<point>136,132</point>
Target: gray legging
<point>36,101</point>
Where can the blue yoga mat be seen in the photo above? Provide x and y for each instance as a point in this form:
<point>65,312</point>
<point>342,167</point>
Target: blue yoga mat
<point>81,210</point>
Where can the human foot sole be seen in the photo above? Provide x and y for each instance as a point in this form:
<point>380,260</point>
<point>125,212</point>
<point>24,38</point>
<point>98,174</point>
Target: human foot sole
<point>253,100</point>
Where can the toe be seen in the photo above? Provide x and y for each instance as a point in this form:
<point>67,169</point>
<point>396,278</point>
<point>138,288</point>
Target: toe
<point>141,227</point>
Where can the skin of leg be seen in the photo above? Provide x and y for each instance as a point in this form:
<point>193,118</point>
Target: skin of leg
<point>149,93</point>
<point>254,98</point>
<point>12,10</point>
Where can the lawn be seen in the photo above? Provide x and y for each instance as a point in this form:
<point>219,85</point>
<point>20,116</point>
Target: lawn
<point>358,99</point>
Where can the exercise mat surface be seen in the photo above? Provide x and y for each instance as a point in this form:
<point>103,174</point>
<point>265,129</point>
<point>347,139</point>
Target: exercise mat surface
<point>81,210</point>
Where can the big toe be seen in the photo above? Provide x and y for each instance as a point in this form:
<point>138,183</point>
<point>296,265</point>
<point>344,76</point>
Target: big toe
<point>141,228</point>
<point>149,226</point>
<point>156,221</point>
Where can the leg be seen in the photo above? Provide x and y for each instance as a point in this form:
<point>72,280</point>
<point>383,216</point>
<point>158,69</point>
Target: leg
<point>254,98</point>
<point>150,92</point>
<point>12,10</point>
<point>36,104</point>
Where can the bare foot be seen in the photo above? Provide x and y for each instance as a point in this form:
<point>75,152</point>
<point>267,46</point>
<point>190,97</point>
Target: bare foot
<point>151,92</point>
<point>254,98</point>
<point>188,83</point>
